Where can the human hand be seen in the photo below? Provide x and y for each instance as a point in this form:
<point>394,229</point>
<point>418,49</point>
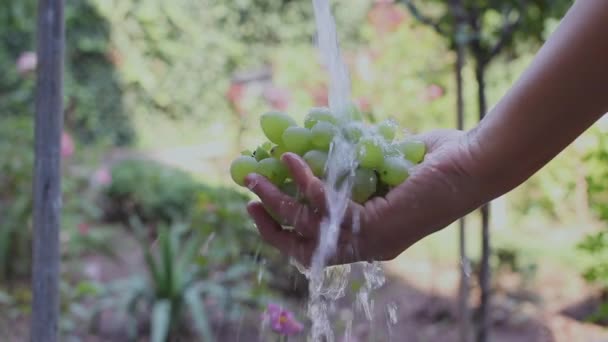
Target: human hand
<point>443,188</point>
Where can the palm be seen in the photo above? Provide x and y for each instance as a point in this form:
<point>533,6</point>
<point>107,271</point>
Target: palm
<point>429,200</point>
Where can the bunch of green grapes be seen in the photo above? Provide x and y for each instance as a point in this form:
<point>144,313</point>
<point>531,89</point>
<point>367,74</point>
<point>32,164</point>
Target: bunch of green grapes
<point>383,162</point>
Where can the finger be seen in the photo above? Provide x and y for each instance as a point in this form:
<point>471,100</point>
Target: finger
<point>279,203</point>
<point>306,222</point>
<point>270,230</point>
<point>311,186</point>
<point>348,252</point>
<point>287,242</point>
<point>315,191</point>
<point>432,139</point>
<point>287,210</point>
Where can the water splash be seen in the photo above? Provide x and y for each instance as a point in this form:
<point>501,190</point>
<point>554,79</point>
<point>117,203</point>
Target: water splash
<point>329,47</point>
<point>328,284</point>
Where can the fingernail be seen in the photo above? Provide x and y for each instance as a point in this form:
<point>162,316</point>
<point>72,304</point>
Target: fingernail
<point>251,207</point>
<point>251,180</point>
<point>286,156</point>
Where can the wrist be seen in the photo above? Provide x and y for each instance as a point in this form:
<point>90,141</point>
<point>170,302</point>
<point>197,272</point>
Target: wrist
<point>498,166</point>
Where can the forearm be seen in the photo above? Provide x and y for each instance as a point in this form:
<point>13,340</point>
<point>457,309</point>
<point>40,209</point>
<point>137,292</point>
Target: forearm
<point>561,95</point>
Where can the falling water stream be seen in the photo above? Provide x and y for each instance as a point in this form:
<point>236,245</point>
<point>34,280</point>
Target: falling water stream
<point>328,284</point>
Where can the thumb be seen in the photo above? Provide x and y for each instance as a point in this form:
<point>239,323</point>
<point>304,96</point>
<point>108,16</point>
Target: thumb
<point>432,139</point>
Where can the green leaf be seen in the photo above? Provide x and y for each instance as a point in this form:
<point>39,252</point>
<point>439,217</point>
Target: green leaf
<point>193,300</point>
<point>166,286</point>
<point>236,271</point>
<point>152,266</point>
<point>190,251</point>
<point>161,320</point>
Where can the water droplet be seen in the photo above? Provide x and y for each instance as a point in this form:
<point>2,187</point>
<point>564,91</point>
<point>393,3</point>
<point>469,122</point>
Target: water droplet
<point>391,311</point>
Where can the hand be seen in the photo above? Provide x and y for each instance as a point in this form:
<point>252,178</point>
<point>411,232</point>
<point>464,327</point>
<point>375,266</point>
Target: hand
<point>440,190</point>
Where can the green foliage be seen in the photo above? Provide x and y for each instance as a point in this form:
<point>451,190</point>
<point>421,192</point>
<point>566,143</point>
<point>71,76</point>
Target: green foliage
<point>160,44</point>
<point>93,98</point>
<point>390,71</point>
<point>597,181</point>
<point>595,246</point>
<point>553,191</point>
<point>179,279</point>
<point>76,299</point>
<point>488,24</point>
<point>16,177</point>
<point>16,173</point>
<point>151,191</point>
<point>221,214</point>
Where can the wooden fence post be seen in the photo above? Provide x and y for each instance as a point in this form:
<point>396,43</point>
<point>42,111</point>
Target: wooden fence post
<point>47,173</point>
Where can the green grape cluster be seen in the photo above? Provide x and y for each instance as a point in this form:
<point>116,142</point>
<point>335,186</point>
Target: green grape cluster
<point>383,161</point>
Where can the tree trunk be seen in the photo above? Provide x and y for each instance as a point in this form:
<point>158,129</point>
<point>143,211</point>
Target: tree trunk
<point>463,298</point>
<point>484,274</point>
<point>47,181</point>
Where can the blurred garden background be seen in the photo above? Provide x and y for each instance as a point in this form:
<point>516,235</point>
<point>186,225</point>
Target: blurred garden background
<point>161,95</point>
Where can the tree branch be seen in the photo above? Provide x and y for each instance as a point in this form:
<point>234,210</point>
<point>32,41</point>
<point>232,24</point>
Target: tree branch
<point>506,34</point>
<point>423,18</point>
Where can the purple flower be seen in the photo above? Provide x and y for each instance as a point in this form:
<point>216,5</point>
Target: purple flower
<point>282,321</point>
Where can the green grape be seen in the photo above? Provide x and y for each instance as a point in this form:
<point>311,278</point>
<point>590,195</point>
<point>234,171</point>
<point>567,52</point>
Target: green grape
<point>323,134</point>
<point>370,153</point>
<point>317,161</point>
<point>387,129</point>
<point>412,150</point>
<point>353,131</point>
<point>273,169</point>
<point>297,140</point>
<point>316,115</point>
<point>382,189</point>
<point>364,186</point>
<point>241,167</point>
<point>274,124</point>
<point>290,188</point>
<point>247,153</point>
<point>395,170</point>
<point>261,154</point>
<point>392,150</point>
<point>277,151</point>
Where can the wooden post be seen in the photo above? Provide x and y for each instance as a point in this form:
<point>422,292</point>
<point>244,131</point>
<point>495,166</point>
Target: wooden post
<point>463,298</point>
<point>483,334</point>
<point>47,181</point>
<point>461,41</point>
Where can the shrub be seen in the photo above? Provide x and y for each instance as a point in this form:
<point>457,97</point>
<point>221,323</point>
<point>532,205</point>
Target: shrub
<point>16,204</point>
<point>149,190</point>
<point>595,245</point>
<point>16,174</point>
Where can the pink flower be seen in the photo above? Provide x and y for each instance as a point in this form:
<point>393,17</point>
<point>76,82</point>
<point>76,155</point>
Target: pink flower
<point>282,321</point>
<point>278,98</point>
<point>364,104</point>
<point>235,96</point>
<point>102,177</point>
<point>67,145</point>
<point>83,228</point>
<point>27,62</point>
<point>433,92</point>
<point>320,96</point>
<point>386,16</point>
